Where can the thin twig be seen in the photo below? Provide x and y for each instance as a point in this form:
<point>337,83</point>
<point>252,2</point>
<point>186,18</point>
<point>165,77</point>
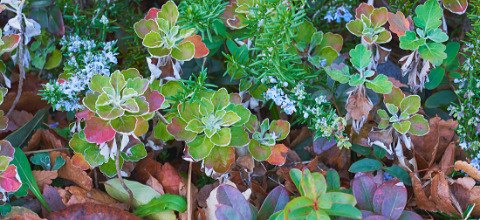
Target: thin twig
<point>162,118</point>
<point>20,68</point>
<point>189,191</point>
<point>46,150</point>
<point>119,175</point>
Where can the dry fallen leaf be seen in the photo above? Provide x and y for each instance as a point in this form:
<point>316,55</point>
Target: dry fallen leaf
<point>166,174</point>
<point>21,213</point>
<point>92,211</point>
<point>76,195</point>
<point>44,177</point>
<point>44,139</point>
<point>157,186</point>
<point>279,155</point>
<point>73,173</point>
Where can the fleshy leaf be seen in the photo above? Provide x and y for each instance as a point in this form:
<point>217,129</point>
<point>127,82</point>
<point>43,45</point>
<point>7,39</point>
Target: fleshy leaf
<point>143,27</point>
<point>402,127</point>
<point>200,147</point>
<point>9,180</point>
<point>201,49</point>
<point>419,125</point>
<point>177,129</point>
<point>222,137</point>
<point>410,104</point>
<point>258,151</point>
<point>220,159</point>
<point>280,128</point>
<point>398,23</point>
<point>456,6</point>
<point>98,131</point>
<point>169,12</point>
<point>124,124</point>
<point>184,51</point>
<point>278,156</point>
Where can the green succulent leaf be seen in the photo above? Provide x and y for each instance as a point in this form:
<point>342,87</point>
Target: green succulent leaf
<point>410,104</point>
<point>222,137</point>
<point>402,127</point>
<point>200,148</point>
<point>419,125</point>
<point>184,51</point>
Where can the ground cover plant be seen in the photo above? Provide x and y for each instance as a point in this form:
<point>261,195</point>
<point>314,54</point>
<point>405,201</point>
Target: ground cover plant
<point>240,109</point>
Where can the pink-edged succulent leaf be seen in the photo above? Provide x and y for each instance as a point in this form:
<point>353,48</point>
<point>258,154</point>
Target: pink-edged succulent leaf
<point>220,159</point>
<point>152,13</point>
<point>390,199</point>
<point>201,49</point>
<point>155,100</point>
<point>281,128</point>
<point>84,115</point>
<point>278,155</point>
<point>10,43</point>
<point>363,9</point>
<point>98,131</point>
<point>144,26</point>
<point>456,6</point>
<point>333,40</point>
<point>6,149</point>
<point>379,17</point>
<point>230,196</point>
<point>398,23</point>
<point>395,97</point>
<point>177,129</point>
<point>363,188</point>
<point>9,179</point>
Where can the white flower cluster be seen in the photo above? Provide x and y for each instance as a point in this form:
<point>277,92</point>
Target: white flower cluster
<point>338,14</point>
<point>85,58</point>
<point>281,99</point>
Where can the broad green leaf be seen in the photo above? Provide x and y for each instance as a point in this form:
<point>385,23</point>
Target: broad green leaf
<point>365,165</point>
<point>355,27</point>
<point>410,41</point>
<point>441,98</point>
<point>380,84</point>
<point>333,180</point>
<point>304,33</point>
<point>240,137</point>
<point>195,125</point>
<point>428,15</point>
<point>53,60</point>
<point>433,52</point>
<point>356,80</point>
<point>18,137</point>
<point>410,104</point>
<point>275,201</point>
<point>342,76</point>
<point>402,127</point>
<point>435,77</point>
<point>437,35</point>
<point>162,203</point>
<point>400,173</point>
<point>344,210</point>
<point>135,153</point>
<point>365,151</point>
<point>360,56</point>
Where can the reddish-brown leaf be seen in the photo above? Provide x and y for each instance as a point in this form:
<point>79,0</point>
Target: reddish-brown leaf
<point>278,155</point>
<point>91,211</point>
<point>44,177</point>
<point>73,173</point>
<point>398,23</point>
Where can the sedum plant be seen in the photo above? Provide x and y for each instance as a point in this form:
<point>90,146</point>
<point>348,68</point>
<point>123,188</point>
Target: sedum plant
<point>3,118</point>
<point>318,48</point>
<point>119,105</point>
<point>402,114</point>
<point>9,178</point>
<point>163,37</point>
<point>317,200</point>
<point>368,24</point>
<point>213,124</point>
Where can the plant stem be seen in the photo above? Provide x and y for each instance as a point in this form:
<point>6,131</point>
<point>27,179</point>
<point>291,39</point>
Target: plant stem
<point>189,191</point>
<point>46,150</point>
<point>162,118</point>
<point>119,175</point>
<point>21,68</point>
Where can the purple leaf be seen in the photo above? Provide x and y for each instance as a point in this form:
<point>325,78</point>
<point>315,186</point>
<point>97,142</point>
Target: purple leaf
<point>376,217</point>
<point>230,196</point>
<point>363,187</point>
<point>409,215</point>
<point>225,212</point>
<point>276,200</point>
<point>390,199</point>
<point>323,144</point>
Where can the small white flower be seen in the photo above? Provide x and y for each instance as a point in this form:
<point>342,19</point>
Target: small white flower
<point>104,20</point>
